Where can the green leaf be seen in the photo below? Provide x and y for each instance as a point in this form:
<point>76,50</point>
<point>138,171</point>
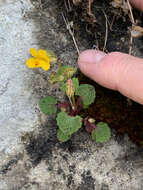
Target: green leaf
<point>47,105</point>
<point>67,124</point>
<point>63,86</point>
<point>63,74</point>
<point>75,83</point>
<point>88,94</point>
<point>62,137</point>
<point>53,57</point>
<point>102,133</point>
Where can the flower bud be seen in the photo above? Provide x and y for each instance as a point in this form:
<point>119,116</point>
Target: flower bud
<point>69,88</point>
<point>91,120</point>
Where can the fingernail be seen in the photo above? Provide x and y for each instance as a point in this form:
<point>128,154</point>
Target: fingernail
<point>99,56</point>
<point>90,57</point>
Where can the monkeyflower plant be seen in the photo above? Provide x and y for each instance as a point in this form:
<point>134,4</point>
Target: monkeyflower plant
<point>79,97</point>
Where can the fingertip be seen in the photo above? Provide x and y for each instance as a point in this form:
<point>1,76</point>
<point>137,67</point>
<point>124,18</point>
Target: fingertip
<point>88,57</point>
<point>91,56</point>
<point>137,3</point>
<point>99,67</point>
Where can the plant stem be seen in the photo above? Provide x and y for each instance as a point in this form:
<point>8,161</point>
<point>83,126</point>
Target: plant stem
<point>73,101</point>
<point>59,63</point>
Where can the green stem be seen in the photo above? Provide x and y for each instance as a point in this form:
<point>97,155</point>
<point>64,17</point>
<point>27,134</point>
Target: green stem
<point>59,63</point>
<point>73,100</point>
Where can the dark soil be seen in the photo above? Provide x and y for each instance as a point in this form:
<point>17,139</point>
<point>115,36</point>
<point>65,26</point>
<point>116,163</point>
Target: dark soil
<point>113,108</point>
<point>93,27</point>
<point>90,30</point>
<point>110,106</point>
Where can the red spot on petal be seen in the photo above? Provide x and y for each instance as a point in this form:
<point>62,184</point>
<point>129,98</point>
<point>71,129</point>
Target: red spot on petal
<point>36,63</point>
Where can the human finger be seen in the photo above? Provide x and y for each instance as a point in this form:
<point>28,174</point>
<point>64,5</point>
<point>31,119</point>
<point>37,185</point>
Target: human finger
<point>117,71</point>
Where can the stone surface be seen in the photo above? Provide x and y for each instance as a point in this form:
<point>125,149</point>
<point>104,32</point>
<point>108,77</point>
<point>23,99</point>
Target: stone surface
<point>31,158</point>
<point>17,107</point>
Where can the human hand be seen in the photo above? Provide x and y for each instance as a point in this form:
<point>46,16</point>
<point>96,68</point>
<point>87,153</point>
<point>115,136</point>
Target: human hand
<point>117,71</point>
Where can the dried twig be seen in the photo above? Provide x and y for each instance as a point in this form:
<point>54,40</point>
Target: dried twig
<point>68,25</point>
<point>66,6</point>
<point>111,25</point>
<point>106,33</point>
<point>133,23</point>
<point>131,45</point>
<point>89,12</point>
<point>89,8</point>
<point>130,8</point>
<point>69,5</point>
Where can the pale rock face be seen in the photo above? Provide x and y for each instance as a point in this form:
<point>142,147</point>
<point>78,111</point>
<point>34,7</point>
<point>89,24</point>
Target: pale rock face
<point>17,106</point>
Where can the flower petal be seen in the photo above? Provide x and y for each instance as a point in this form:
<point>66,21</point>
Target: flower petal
<point>40,59</point>
<point>33,63</point>
<point>30,63</point>
<point>33,52</point>
<point>42,54</point>
<point>45,66</point>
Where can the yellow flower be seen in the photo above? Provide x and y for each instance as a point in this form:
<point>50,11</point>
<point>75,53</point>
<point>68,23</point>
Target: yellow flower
<point>40,59</point>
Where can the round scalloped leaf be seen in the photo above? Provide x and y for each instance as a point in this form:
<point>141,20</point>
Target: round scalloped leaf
<point>62,137</point>
<point>47,105</point>
<point>67,124</point>
<point>88,94</point>
<point>102,133</point>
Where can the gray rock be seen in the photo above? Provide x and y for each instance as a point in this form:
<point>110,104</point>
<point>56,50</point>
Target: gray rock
<point>30,156</point>
<point>17,106</point>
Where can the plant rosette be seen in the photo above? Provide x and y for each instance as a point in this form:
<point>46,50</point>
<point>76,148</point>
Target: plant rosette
<point>79,97</point>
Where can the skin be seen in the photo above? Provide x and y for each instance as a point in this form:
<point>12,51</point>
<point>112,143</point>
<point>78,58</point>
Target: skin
<point>116,71</point>
<point>138,4</point>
